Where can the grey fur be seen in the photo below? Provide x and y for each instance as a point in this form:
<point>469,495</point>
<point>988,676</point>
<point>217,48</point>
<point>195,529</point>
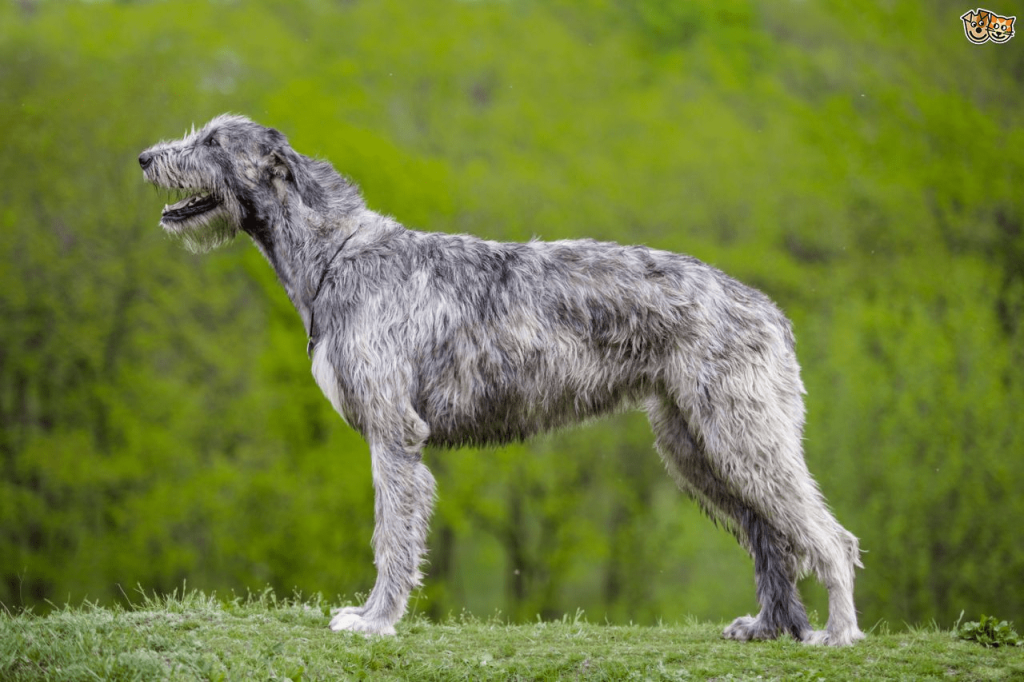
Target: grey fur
<point>437,339</point>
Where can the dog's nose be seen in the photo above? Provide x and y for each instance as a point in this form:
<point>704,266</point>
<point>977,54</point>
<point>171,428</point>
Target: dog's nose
<point>145,159</point>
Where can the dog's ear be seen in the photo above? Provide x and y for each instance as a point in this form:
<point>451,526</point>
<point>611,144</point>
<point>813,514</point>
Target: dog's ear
<point>288,165</point>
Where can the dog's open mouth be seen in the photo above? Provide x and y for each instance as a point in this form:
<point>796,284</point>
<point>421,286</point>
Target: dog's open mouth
<point>197,204</point>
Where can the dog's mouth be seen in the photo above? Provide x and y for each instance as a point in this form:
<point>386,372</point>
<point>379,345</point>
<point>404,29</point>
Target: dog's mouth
<point>190,207</point>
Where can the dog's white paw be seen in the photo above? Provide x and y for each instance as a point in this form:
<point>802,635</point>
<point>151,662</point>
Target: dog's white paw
<point>357,610</point>
<point>816,638</point>
<point>354,622</point>
<point>828,638</point>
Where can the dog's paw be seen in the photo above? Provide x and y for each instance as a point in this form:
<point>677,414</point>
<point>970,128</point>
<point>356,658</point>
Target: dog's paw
<point>816,638</point>
<point>357,610</point>
<point>353,622</point>
<point>829,638</point>
<point>744,629</point>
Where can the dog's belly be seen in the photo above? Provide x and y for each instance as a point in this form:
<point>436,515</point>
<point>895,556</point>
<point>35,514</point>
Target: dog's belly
<point>496,414</point>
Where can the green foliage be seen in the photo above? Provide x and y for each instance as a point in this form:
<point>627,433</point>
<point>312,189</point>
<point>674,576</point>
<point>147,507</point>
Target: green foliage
<point>157,418</point>
<point>989,632</point>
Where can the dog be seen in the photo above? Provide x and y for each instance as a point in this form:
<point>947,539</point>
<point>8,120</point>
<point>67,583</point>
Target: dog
<point>976,25</point>
<point>439,339</point>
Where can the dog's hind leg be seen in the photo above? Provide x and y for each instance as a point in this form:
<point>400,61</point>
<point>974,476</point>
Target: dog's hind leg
<point>404,497</point>
<point>748,423</point>
<point>775,566</point>
<point>750,428</point>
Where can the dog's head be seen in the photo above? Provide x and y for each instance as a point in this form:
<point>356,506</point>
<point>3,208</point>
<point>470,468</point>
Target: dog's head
<point>976,25</point>
<point>231,174</point>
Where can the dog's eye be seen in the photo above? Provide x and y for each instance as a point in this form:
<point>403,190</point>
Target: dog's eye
<point>211,141</point>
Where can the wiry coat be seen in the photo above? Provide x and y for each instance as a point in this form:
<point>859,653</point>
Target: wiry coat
<point>425,338</point>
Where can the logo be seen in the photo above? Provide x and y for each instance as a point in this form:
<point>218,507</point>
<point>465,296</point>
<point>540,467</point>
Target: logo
<point>982,25</point>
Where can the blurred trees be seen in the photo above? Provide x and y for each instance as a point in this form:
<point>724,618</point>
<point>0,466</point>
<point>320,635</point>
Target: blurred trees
<point>157,419</point>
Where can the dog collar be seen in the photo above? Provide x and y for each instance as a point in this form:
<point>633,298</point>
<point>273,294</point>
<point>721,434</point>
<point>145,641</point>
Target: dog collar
<point>312,334</point>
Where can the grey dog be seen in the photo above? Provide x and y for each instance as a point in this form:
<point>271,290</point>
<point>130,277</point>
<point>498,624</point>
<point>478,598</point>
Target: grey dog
<point>439,339</point>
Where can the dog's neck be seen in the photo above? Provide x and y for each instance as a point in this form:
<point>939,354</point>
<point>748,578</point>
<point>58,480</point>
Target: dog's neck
<point>301,259</point>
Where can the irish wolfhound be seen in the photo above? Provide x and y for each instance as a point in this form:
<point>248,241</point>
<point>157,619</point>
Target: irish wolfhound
<point>439,339</point>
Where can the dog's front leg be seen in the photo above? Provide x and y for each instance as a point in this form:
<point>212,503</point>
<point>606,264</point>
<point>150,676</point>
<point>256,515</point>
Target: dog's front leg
<point>404,497</point>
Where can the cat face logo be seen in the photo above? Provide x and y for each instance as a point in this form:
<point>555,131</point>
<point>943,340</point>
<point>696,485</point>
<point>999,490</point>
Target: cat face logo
<point>1000,29</point>
<point>982,25</point>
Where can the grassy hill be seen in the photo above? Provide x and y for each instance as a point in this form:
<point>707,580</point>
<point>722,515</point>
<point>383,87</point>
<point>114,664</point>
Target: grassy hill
<point>201,637</point>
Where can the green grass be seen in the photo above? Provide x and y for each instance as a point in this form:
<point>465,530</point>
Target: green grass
<point>201,637</point>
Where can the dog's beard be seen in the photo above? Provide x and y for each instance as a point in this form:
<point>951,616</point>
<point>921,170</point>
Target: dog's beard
<point>202,233</point>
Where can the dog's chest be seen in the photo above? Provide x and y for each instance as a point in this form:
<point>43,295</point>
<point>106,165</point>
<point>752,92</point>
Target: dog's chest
<point>327,379</point>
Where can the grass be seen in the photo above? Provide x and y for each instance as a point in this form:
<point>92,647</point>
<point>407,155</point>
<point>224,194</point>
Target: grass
<point>196,636</point>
